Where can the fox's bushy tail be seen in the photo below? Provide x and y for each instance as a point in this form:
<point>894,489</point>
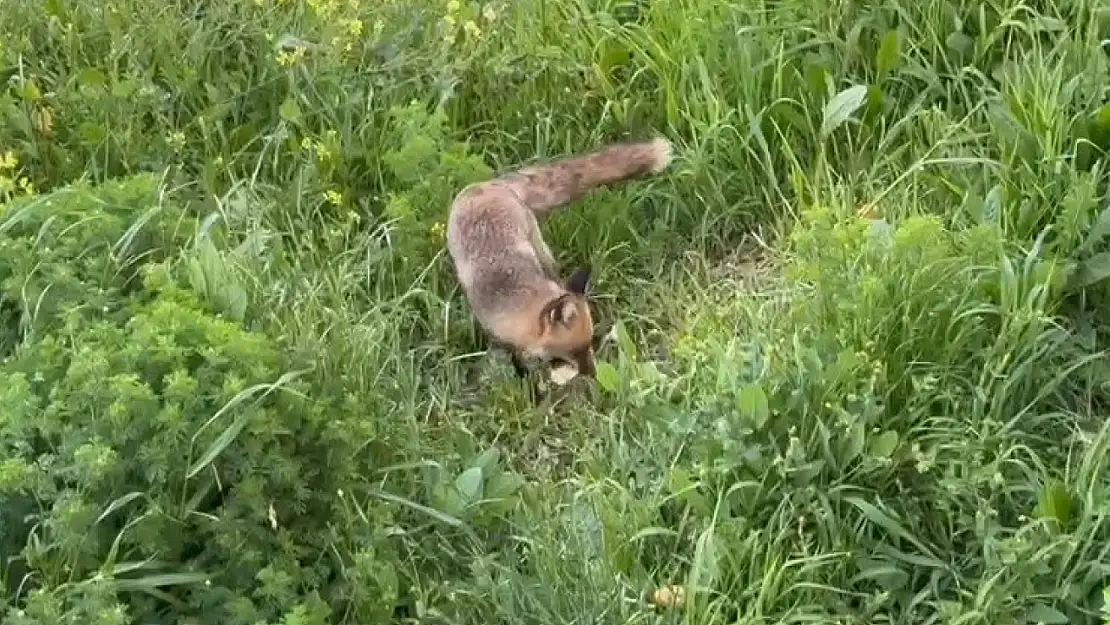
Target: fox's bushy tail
<point>543,188</point>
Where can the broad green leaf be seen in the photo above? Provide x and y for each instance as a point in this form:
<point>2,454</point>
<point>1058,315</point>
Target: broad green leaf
<point>873,102</point>
<point>1098,230</point>
<point>446,498</point>
<point>91,77</point>
<point>886,574</point>
<point>992,205</point>
<point>29,91</point>
<point>1091,271</point>
<point>89,132</point>
<point>1041,613</point>
<point>236,302</point>
<point>853,446</point>
<point>607,376</point>
<point>469,484</point>
<point>841,107</point>
<point>973,206</point>
<point>432,512</point>
<point>883,445</point>
<point>612,54</point>
<point>677,479</point>
<point>704,568</point>
<point>1056,503</point>
<point>503,484</point>
<point>1102,116</point>
<point>816,75</point>
<point>890,51</point>
<point>125,89</point>
<point>197,279</point>
<point>960,43</point>
<point>787,116</point>
<point>487,461</point>
<point>628,346</point>
<point>752,402</point>
<point>290,111</point>
<point>1053,273</point>
<point>680,484</point>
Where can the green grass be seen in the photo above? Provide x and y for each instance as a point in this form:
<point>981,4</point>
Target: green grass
<point>853,369</point>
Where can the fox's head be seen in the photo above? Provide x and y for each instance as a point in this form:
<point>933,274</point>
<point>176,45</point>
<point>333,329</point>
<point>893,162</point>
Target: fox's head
<point>568,327</point>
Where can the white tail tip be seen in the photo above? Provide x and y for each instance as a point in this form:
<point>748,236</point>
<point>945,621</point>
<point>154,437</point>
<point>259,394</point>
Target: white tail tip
<point>661,154</point>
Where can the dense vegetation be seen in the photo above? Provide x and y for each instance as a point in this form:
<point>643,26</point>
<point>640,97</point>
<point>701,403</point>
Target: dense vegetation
<point>854,365</point>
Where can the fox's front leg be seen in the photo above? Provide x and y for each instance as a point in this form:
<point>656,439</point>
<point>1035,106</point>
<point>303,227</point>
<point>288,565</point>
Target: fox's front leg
<point>518,364</point>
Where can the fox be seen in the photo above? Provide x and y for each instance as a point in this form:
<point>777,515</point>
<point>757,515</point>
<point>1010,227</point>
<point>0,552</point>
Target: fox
<point>506,270</point>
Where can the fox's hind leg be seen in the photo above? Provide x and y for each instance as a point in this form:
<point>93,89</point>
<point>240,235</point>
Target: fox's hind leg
<point>544,254</point>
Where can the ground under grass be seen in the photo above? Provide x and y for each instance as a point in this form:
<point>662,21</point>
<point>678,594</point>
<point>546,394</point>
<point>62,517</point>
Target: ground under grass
<point>852,340</point>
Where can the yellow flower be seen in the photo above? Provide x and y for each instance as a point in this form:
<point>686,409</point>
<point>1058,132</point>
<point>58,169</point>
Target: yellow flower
<point>176,140</point>
<point>324,8</point>
<point>472,29</point>
<point>333,197</point>
<point>288,59</point>
<point>453,6</point>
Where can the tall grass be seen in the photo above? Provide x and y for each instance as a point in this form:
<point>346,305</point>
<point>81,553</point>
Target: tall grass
<point>892,412</point>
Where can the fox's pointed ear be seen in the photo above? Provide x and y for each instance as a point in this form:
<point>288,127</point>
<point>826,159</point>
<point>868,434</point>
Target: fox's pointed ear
<point>561,311</point>
<point>579,281</point>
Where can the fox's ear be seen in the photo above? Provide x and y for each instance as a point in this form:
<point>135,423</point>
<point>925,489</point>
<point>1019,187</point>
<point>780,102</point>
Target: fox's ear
<point>579,281</point>
<point>561,311</point>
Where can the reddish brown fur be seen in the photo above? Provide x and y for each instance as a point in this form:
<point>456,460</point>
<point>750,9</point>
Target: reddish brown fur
<point>506,269</point>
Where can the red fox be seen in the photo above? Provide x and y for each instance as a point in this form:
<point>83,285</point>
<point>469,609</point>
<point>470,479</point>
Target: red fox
<point>507,271</point>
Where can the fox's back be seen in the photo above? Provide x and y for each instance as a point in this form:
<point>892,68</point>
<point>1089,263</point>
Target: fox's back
<point>488,236</point>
